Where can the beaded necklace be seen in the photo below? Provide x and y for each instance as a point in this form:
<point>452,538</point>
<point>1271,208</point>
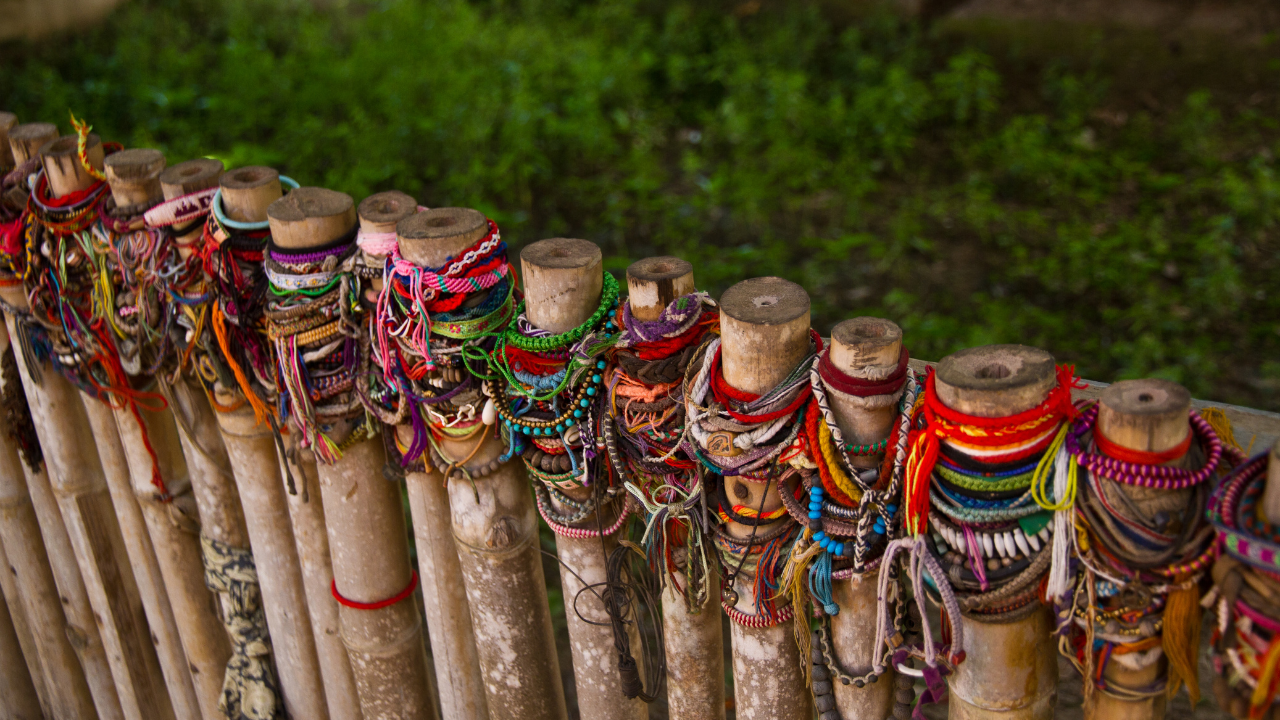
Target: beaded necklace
<point>551,410</point>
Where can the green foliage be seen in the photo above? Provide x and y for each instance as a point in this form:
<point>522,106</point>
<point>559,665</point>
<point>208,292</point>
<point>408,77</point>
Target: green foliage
<point>969,192</point>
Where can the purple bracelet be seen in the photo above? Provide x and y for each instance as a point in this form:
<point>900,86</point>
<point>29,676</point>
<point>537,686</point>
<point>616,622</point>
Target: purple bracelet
<point>1160,477</point>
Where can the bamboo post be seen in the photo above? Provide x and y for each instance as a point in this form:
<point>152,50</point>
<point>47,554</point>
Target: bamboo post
<point>18,700</point>
<point>1149,415</point>
<point>7,122</point>
<point>195,684</point>
<point>79,483</point>
<point>34,599</point>
<point>26,139</point>
<point>694,643</point>
<point>90,690</point>
<point>22,630</point>
<point>1271,489</point>
<point>764,325</point>
<point>868,349</point>
<point>306,514</point>
<point>495,532</point>
<point>563,279</point>
<point>429,239</point>
<point>1011,669</point>
<point>368,543</point>
<point>251,450</point>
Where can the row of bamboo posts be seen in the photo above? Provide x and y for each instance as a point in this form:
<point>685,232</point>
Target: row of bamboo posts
<point>108,613</point>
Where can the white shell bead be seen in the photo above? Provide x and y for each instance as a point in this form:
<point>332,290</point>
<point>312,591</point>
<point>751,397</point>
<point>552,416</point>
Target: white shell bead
<point>490,413</point>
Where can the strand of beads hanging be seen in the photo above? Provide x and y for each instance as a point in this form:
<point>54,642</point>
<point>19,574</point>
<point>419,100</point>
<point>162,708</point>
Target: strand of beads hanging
<point>645,423</point>
<point>228,334</point>
<point>971,496</point>
<point>551,401</point>
<point>1136,592</point>
<point>316,323</point>
<point>432,330</point>
<point>1245,598</point>
<point>755,439</point>
<point>852,509</point>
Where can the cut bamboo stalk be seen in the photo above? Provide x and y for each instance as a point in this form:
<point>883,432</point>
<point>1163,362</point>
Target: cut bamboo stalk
<point>693,642</point>
<point>430,239</point>
<point>764,323</point>
<point>868,349</point>
<point>495,533</point>
<point>7,122</point>
<point>1152,416</point>
<point>368,542</point>
<point>18,700</point>
<point>32,591</point>
<point>131,511</point>
<point>1011,669</point>
<point>563,279</point>
<point>25,140</point>
<point>22,628</point>
<point>306,513</point>
<point>195,684</point>
<point>251,450</point>
<point>80,486</point>
<point>98,696</point>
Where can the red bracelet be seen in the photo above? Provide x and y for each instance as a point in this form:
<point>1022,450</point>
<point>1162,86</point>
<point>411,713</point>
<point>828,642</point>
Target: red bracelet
<point>413,585</point>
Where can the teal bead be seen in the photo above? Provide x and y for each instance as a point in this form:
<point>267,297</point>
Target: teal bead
<point>560,428</point>
<point>570,422</point>
<point>595,378</point>
<point>590,391</point>
<point>577,413</point>
<point>584,402</point>
<point>600,364</point>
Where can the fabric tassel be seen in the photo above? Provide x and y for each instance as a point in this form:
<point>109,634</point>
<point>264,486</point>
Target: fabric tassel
<point>1182,617</point>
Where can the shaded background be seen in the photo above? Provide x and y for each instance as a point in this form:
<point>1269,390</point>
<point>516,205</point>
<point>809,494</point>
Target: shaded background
<point>999,171</point>
<point>1095,178</point>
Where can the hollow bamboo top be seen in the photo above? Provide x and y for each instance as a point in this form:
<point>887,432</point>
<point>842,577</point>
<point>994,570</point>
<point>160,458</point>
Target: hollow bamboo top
<point>653,283</point>
<point>995,380</point>
<point>764,326</point>
<point>866,347</point>
<point>26,139</point>
<point>61,160</point>
<point>134,176</point>
<point>563,279</point>
<point>310,216</point>
<point>247,192</point>
<point>380,212</point>
<point>431,237</point>
<point>1150,415</point>
<point>190,176</point>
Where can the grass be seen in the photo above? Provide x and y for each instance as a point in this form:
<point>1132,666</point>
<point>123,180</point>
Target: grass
<point>1104,195</point>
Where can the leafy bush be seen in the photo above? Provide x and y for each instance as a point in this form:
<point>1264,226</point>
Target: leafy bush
<point>971,192</point>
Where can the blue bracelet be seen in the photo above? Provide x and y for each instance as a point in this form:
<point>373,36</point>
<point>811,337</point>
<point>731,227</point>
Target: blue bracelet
<point>234,225</point>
